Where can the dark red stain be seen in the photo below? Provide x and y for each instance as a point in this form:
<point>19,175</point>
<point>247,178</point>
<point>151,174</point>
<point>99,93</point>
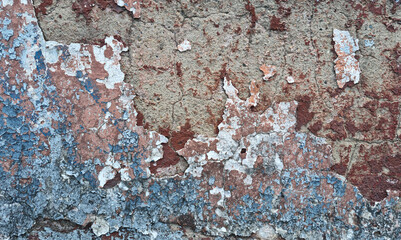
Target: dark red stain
<point>393,9</point>
<point>285,12</point>
<point>178,68</point>
<point>372,94</point>
<point>368,175</point>
<point>186,220</point>
<point>372,187</point>
<point>276,24</point>
<point>159,70</point>
<point>303,115</point>
<point>238,30</point>
<point>113,182</point>
<point>42,7</point>
<point>215,120</point>
<point>358,23</point>
<point>226,27</point>
<point>395,59</point>
<point>170,158</point>
<point>339,168</point>
<point>114,235</point>
<point>337,126</point>
<point>390,27</point>
<point>396,90</point>
<point>376,8</point>
<point>352,128</point>
<point>120,39</point>
<point>223,72</point>
<point>177,140</point>
<point>316,127</point>
<point>139,118</point>
<point>371,106</point>
<point>393,163</point>
<point>251,9</point>
<point>333,92</point>
<point>345,153</point>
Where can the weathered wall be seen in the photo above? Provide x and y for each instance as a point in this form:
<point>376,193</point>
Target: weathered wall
<point>200,119</point>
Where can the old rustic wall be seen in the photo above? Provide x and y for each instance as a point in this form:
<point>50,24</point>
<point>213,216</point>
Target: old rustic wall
<point>200,119</point>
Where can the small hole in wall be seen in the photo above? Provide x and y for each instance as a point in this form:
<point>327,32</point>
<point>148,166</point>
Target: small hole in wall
<point>243,150</point>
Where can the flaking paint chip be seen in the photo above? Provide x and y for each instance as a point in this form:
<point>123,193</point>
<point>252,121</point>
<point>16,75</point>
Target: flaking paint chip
<point>346,65</point>
<point>184,46</point>
<point>290,79</point>
<point>268,70</point>
<point>133,6</point>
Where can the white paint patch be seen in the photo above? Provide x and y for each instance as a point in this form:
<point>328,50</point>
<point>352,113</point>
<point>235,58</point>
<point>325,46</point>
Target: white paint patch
<point>106,174</point>
<point>184,46</point>
<point>51,52</point>
<point>290,79</point>
<point>156,153</point>
<point>278,163</point>
<point>347,66</point>
<point>213,155</point>
<point>230,90</point>
<point>125,174</point>
<point>111,162</point>
<point>7,2</point>
<point>223,194</point>
<point>267,232</point>
<point>121,3</point>
<point>100,227</point>
<point>248,180</point>
<point>232,165</point>
<point>111,65</point>
<point>75,62</point>
<point>28,61</point>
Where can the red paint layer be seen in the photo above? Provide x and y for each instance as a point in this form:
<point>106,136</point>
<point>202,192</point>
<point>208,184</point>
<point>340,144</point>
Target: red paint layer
<point>42,7</point>
<point>276,24</point>
<point>303,114</point>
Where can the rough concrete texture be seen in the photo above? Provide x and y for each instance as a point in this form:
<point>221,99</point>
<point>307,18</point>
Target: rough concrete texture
<point>186,119</point>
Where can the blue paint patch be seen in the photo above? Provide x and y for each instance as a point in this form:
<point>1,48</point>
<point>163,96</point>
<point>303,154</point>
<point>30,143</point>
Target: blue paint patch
<point>211,181</point>
<point>369,43</point>
<point>6,33</point>
<point>40,62</point>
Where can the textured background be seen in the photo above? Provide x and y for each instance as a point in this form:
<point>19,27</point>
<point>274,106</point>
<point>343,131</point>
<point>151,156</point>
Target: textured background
<point>109,131</point>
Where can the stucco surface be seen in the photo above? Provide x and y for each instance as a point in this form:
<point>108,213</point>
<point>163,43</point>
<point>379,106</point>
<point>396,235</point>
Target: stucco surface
<point>200,119</point>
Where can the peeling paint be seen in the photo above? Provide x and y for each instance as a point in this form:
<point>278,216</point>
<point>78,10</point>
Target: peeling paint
<point>184,46</point>
<point>133,6</point>
<point>268,71</point>
<point>347,66</point>
<point>72,152</point>
<point>290,79</point>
